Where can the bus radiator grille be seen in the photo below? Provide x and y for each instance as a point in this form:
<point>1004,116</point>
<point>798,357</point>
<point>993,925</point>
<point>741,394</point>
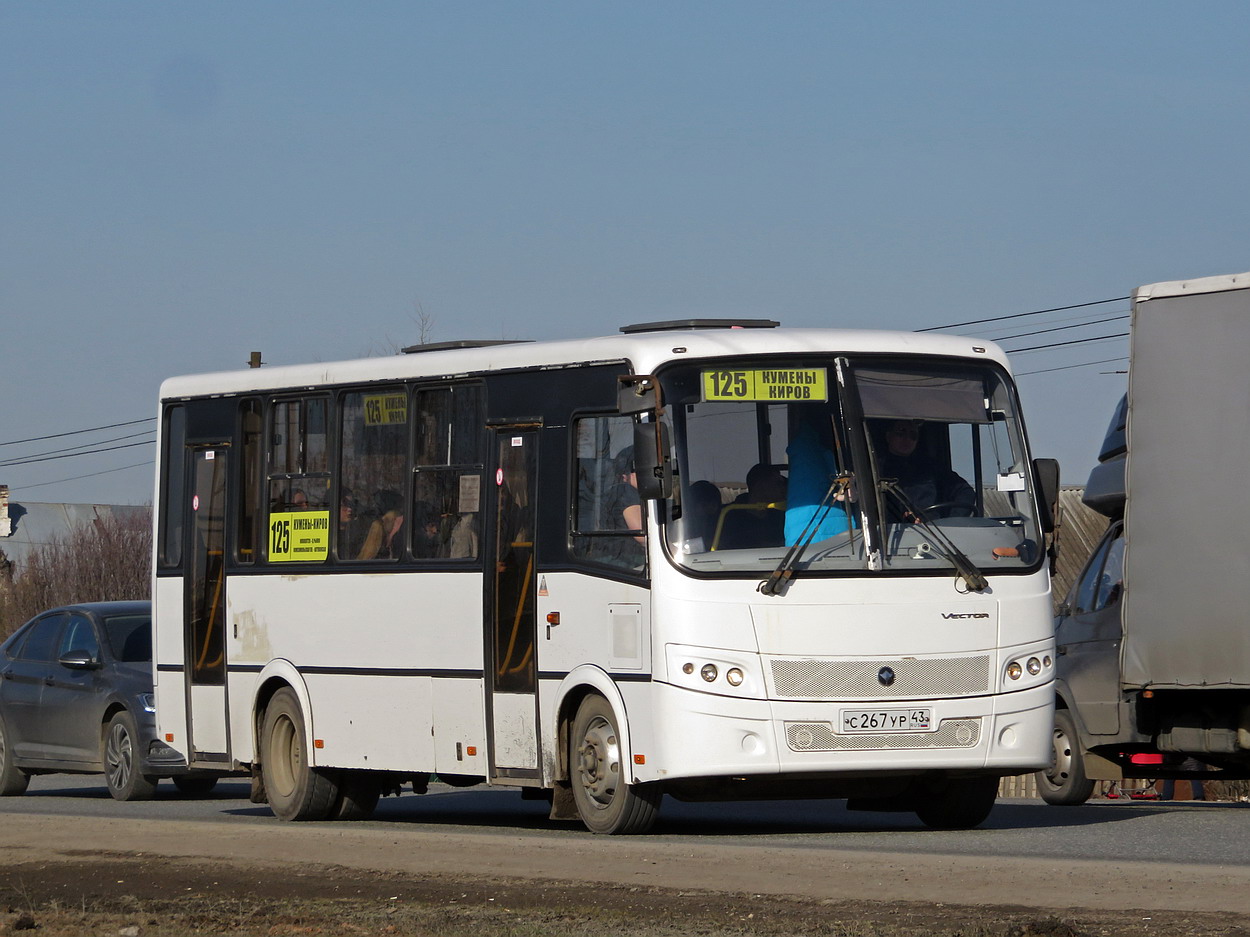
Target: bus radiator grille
<point>860,679</point>
<point>820,737</point>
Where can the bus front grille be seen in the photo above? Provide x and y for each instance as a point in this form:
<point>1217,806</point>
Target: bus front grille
<point>820,737</point>
<point>901,678</point>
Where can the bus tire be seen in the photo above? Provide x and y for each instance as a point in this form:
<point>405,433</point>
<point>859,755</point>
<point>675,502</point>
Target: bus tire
<point>358,796</point>
<point>958,803</point>
<point>120,754</point>
<point>194,785</point>
<point>1064,783</point>
<point>605,801</point>
<point>296,790</point>
<point>13,780</point>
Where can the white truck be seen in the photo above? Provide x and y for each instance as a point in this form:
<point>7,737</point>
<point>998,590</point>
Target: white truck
<point>1153,640</point>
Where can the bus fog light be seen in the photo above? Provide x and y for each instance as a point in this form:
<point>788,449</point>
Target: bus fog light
<point>1046,661</point>
<point>1034,666</point>
<point>734,676</point>
<point>687,668</point>
<point>709,672</point>
<point>1014,670</point>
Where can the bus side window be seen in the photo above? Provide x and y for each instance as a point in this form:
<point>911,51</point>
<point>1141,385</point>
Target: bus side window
<point>373,434</point>
<point>447,481</point>
<point>606,495</point>
<point>298,476</point>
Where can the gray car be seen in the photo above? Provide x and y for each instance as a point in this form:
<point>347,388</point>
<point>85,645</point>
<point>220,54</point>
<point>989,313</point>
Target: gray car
<point>76,696</point>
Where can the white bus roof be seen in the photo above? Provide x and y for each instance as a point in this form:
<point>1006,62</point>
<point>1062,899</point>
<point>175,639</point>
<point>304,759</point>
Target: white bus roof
<point>644,350</point>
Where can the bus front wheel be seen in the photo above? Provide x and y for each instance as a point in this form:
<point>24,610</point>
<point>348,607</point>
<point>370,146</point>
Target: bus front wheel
<point>296,790</point>
<point>606,802</point>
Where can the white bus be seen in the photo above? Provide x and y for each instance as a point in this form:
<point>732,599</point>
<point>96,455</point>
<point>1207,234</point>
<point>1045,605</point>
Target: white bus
<point>714,559</point>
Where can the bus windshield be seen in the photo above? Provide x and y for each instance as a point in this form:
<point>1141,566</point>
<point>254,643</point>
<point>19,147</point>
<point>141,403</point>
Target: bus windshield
<point>865,464</point>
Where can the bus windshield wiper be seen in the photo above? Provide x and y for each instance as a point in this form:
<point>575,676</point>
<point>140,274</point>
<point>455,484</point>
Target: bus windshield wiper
<point>944,546</point>
<point>840,485</point>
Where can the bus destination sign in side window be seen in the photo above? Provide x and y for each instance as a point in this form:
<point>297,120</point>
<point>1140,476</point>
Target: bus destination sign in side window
<point>766,384</point>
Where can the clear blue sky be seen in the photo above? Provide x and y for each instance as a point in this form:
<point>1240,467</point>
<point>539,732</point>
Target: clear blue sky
<point>185,183</point>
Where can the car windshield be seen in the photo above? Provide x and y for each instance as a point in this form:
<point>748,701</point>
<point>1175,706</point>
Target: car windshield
<point>860,464</point>
<point>130,637</point>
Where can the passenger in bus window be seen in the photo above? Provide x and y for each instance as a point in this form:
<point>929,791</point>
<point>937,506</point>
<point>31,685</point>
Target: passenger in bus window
<point>700,510</point>
<point>353,529</point>
<point>923,481</point>
<point>429,541</point>
<point>384,540</point>
<point>625,512</point>
<point>756,518</point>
<point>299,500</point>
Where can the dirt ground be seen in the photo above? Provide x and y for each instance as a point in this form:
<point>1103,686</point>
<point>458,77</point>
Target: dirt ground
<point>131,895</point>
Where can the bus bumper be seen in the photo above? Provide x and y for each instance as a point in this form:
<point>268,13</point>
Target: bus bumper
<point>708,736</point>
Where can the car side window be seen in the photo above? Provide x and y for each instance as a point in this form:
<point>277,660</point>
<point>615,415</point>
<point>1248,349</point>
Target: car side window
<point>79,636</point>
<point>1087,587</point>
<point>41,642</point>
<point>1111,580</point>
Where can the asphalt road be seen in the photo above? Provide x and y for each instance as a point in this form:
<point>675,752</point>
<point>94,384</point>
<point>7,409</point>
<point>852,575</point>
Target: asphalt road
<point>1180,833</point>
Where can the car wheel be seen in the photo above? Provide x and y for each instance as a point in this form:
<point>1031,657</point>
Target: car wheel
<point>121,760</point>
<point>958,804</point>
<point>296,790</point>
<point>13,780</point>
<point>1064,783</point>
<point>606,802</point>
<point>192,785</point>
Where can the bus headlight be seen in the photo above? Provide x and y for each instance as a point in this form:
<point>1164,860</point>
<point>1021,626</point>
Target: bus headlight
<point>709,672</point>
<point>1034,666</point>
<point>715,670</point>
<point>1014,670</point>
<point>734,676</point>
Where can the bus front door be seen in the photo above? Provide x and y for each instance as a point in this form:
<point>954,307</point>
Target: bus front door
<point>512,671</point>
<point>204,620</point>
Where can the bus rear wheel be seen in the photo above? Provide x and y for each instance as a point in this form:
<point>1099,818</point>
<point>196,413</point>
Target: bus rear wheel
<point>606,802</point>
<point>296,790</point>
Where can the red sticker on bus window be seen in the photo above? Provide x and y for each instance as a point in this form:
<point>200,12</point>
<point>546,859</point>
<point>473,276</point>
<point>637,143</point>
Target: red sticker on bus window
<point>498,476</point>
<point>195,503</point>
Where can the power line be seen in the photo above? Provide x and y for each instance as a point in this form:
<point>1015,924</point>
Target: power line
<point>1075,341</point>
<point>1020,315</point>
<point>1060,328</point>
<point>98,442</point>
<point>1068,367</point>
<point>71,455</point>
<point>77,477</point>
<point>76,432</point>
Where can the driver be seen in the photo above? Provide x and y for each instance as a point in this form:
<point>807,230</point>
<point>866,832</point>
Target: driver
<point>923,481</point>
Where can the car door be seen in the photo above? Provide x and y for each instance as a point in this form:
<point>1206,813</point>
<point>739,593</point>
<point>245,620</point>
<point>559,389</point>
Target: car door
<point>73,697</point>
<point>1089,633</point>
<point>21,686</point>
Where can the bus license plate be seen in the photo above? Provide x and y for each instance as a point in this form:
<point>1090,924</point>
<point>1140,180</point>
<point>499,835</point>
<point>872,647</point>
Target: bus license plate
<point>886,720</point>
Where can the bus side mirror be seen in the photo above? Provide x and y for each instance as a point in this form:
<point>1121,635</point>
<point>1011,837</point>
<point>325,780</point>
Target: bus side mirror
<point>1046,471</point>
<point>652,465</point>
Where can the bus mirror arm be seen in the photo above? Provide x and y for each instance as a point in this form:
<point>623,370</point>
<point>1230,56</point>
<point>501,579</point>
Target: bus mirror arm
<point>637,393</point>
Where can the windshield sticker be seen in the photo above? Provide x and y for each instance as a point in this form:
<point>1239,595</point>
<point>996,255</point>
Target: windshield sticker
<point>299,536</point>
<point>776,385</point>
<point>1013,481</point>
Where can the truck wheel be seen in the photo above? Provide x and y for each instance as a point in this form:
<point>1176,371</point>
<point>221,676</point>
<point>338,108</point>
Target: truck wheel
<point>13,780</point>
<point>297,791</point>
<point>1064,783</point>
<point>358,796</point>
<point>605,801</point>
<point>958,804</point>
<point>121,760</point>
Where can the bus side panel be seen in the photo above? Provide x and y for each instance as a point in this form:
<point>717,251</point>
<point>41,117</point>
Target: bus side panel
<point>382,723</point>
<point>603,623</point>
<point>167,651</point>
<point>369,647</point>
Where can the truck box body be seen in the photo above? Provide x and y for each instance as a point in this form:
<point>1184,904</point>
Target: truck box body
<point>1186,614</point>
